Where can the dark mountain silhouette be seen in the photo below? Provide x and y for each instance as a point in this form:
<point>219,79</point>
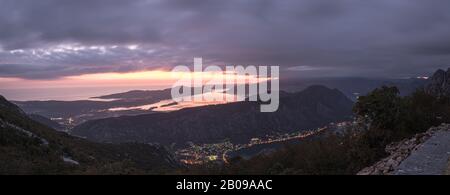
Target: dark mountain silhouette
<point>354,87</point>
<point>155,95</point>
<point>83,110</point>
<point>238,122</point>
<point>29,147</point>
<point>439,84</point>
<point>73,113</point>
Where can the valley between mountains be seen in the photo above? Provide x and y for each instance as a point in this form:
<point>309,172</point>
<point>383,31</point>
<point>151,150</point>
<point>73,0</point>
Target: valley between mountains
<point>317,130</point>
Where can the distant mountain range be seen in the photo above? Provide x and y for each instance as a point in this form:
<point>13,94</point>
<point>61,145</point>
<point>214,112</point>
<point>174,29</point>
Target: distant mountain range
<point>237,122</point>
<point>29,147</point>
<point>71,113</point>
<point>354,87</point>
<point>29,143</point>
<point>84,110</point>
<point>154,95</point>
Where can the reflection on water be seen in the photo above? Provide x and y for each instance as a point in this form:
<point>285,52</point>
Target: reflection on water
<point>103,100</point>
<point>143,107</point>
<point>170,105</point>
<point>69,93</point>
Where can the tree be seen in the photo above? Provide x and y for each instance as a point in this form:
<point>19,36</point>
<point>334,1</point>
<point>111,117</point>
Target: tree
<point>381,108</point>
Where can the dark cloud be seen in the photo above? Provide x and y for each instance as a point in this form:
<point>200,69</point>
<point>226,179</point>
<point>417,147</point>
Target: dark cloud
<point>32,23</point>
<point>362,38</point>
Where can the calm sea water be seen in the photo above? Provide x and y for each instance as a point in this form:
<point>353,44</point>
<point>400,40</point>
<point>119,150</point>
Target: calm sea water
<point>68,94</point>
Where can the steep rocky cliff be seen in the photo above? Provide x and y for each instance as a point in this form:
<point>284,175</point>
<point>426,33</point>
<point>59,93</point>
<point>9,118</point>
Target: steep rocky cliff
<point>439,83</point>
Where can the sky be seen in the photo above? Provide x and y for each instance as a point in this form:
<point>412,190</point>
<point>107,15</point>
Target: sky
<point>55,40</point>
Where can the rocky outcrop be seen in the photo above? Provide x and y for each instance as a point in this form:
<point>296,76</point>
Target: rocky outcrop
<point>400,151</point>
<point>439,84</point>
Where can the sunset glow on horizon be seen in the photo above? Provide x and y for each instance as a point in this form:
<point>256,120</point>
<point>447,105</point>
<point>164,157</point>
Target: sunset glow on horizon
<point>110,82</point>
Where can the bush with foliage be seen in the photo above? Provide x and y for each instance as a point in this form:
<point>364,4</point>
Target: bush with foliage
<point>391,117</point>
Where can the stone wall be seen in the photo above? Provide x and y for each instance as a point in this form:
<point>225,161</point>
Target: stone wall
<point>400,151</point>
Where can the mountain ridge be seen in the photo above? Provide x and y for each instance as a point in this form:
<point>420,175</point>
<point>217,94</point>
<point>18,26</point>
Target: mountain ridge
<point>29,147</point>
<point>238,122</point>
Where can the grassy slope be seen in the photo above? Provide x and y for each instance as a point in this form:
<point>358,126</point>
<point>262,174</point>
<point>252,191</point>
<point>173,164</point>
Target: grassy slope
<point>22,154</point>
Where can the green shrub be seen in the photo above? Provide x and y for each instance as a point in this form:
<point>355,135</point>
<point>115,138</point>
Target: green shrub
<point>391,117</point>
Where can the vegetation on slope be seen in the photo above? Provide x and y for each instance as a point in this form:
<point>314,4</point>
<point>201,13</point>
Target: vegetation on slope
<point>390,117</point>
<point>28,147</point>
